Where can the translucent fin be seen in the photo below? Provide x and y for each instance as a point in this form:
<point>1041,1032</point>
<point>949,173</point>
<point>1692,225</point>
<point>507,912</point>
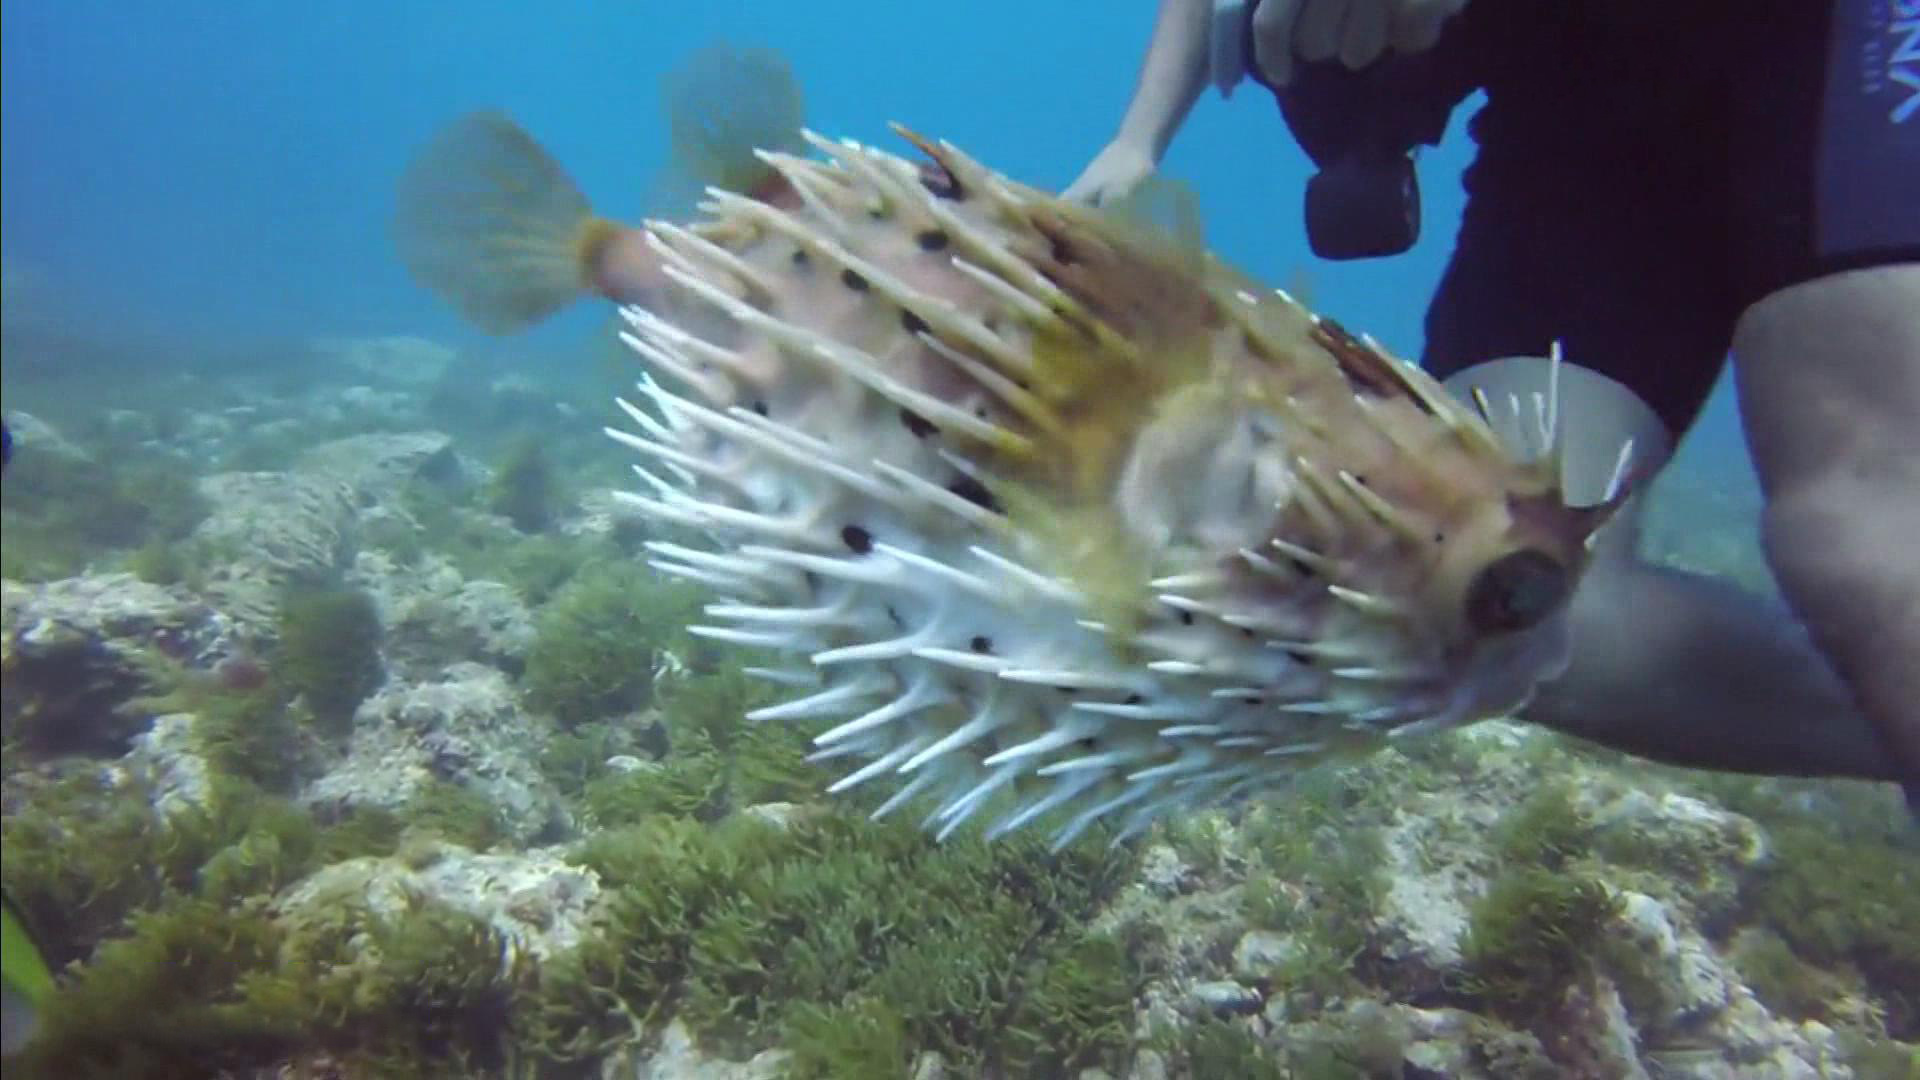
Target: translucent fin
<point>1165,211</point>
<point>491,223</point>
<point>722,105</point>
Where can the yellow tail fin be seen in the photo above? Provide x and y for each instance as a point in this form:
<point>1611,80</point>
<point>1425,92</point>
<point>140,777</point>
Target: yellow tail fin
<point>489,220</point>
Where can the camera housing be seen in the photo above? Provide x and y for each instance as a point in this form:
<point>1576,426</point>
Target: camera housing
<point>1363,208</point>
<point>1361,128</point>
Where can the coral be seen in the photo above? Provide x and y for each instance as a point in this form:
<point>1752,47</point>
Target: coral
<point>598,643</point>
<point>329,651</point>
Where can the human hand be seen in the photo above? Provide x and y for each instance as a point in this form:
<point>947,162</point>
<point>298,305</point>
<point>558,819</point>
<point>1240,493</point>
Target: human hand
<point>1112,174</point>
<point>1357,31</point>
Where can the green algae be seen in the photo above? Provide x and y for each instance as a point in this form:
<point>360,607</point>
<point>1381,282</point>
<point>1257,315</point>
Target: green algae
<point>974,950</point>
<point>599,642</point>
<point>525,490</point>
<point>329,651</point>
<point>1535,933</point>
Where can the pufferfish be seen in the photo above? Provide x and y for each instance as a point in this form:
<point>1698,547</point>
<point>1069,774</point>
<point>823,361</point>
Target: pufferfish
<point>1052,516</point>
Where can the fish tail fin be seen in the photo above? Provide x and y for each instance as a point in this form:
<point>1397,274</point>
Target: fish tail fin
<point>722,105</point>
<point>490,222</point>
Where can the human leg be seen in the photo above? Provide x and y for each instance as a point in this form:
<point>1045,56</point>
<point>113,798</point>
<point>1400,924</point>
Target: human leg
<point>1829,378</point>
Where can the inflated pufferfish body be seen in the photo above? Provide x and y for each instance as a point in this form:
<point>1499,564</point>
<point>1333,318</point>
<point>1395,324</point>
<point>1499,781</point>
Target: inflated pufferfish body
<point>1054,515</point>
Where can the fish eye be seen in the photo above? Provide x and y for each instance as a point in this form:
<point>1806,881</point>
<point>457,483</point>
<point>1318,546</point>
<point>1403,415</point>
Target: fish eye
<point>1516,591</point>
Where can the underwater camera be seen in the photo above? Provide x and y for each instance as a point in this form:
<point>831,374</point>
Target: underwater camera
<point>1363,207</point>
<point>1360,128</point>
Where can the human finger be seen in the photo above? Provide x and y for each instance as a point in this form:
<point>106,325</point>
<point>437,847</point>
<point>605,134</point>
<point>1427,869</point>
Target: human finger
<point>1318,35</point>
<point>1273,24</point>
<point>1364,37</point>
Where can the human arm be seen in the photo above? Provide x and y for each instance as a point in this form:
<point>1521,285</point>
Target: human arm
<point>1170,81</point>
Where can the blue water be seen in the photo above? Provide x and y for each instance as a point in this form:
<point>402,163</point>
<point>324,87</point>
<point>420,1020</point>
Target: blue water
<point>228,168</point>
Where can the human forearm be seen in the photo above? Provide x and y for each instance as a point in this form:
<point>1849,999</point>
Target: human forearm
<point>1171,77</point>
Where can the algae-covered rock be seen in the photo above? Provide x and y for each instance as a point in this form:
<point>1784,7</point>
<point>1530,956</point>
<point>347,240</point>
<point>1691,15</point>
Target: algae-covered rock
<point>466,729</point>
<point>535,899</point>
<point>78,653</point>
<point>268,532</point>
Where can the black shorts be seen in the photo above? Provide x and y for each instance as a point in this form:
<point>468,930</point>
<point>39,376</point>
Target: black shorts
<point>1648,169</point>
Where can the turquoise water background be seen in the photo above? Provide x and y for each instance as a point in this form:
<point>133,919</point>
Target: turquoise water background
<point>228,168</point>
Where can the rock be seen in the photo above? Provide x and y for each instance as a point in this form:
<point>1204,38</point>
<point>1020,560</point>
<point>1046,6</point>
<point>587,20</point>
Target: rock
<point>268,531</point>
<point>77,652</point>
<point>367,406</point>
<point>1430,886</point>
<point>375,468</point>
<point>32,435</point>
<point>1148,1064</point>
<point>399,360</point>
<point>465,728</point>
<point>679,1057</point>
<point>1688,983</point>
<point>168,763</point>
<point>1260,952</point>
<point>1704,854</point>
<point>434,618</point>
<point>1226,998</point>
<point>1163,872</point>
<point>537,899</point>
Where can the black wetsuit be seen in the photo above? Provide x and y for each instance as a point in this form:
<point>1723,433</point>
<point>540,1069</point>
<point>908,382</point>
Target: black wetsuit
<point>1647,169</point>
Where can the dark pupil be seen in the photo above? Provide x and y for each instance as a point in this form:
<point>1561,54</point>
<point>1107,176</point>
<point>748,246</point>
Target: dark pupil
<point>1515,591</point>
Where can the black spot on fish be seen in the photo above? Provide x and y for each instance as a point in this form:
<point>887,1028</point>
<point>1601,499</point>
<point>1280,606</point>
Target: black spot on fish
<point>1247,632</point>
<point>935,178</point>
<point>919,425</point>
<point>1089,743</point>
<point>981,643</point>
<point>1439,538</point>
<point>931,239</point>
<point>1062,252</point>
<point>1300,567</point>
<point>760,407</point>
<point>1134,699</point>
<point>895,616</point>
<point>911,323</point>
<point>974,492</point>
<point>857,539</point>
<point>1300,656</point>
<point>1186,618</point>
<point>853,281</point>
<point>801,258</point>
